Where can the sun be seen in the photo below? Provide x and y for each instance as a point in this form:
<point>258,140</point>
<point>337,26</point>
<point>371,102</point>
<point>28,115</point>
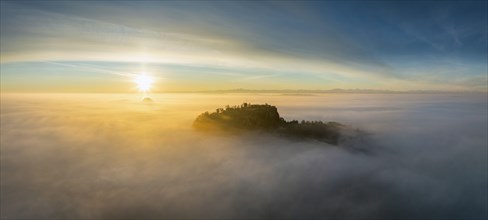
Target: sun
<point>143,82</point>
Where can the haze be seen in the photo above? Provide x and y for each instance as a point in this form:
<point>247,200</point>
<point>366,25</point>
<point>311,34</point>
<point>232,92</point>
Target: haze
<point>109,156</point>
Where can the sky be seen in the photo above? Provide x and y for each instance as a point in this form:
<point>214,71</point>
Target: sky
<point>96,46</point>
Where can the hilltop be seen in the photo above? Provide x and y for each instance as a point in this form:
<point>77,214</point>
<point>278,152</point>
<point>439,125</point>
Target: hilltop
<point>265,118</point>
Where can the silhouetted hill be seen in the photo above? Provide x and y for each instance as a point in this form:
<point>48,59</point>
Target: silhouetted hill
<point>252,117</point>
<point>339,91</point>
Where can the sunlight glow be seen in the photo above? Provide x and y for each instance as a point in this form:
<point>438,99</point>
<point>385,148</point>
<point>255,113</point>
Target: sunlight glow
<point>143,82</point>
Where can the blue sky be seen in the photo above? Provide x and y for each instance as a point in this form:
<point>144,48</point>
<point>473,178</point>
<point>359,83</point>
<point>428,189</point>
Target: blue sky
<point>92,46</point>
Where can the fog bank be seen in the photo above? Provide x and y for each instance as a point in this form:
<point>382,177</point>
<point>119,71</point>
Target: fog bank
<point>114,156</point>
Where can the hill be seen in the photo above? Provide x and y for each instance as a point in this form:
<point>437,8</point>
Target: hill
<point>265,118</point>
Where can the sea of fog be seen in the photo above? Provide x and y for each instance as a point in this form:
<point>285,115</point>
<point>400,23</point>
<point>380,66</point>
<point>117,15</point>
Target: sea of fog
<point>93,156</point>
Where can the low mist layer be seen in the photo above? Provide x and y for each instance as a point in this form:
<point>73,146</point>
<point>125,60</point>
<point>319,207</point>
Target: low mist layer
<point>115,156</point>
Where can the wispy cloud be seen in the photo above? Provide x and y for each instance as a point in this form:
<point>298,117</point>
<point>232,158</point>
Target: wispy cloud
<point>274,41</point>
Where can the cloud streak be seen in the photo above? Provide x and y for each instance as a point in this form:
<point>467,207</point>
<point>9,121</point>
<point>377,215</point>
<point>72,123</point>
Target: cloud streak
<point>274,39</point>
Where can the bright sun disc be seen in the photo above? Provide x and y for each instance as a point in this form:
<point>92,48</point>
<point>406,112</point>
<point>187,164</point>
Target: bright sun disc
<point>143,82</point>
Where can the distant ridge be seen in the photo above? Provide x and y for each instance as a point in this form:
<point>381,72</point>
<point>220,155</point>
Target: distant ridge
<point>330,91</point>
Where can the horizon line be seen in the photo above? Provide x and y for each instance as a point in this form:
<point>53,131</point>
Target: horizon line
<point>283,91</point>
